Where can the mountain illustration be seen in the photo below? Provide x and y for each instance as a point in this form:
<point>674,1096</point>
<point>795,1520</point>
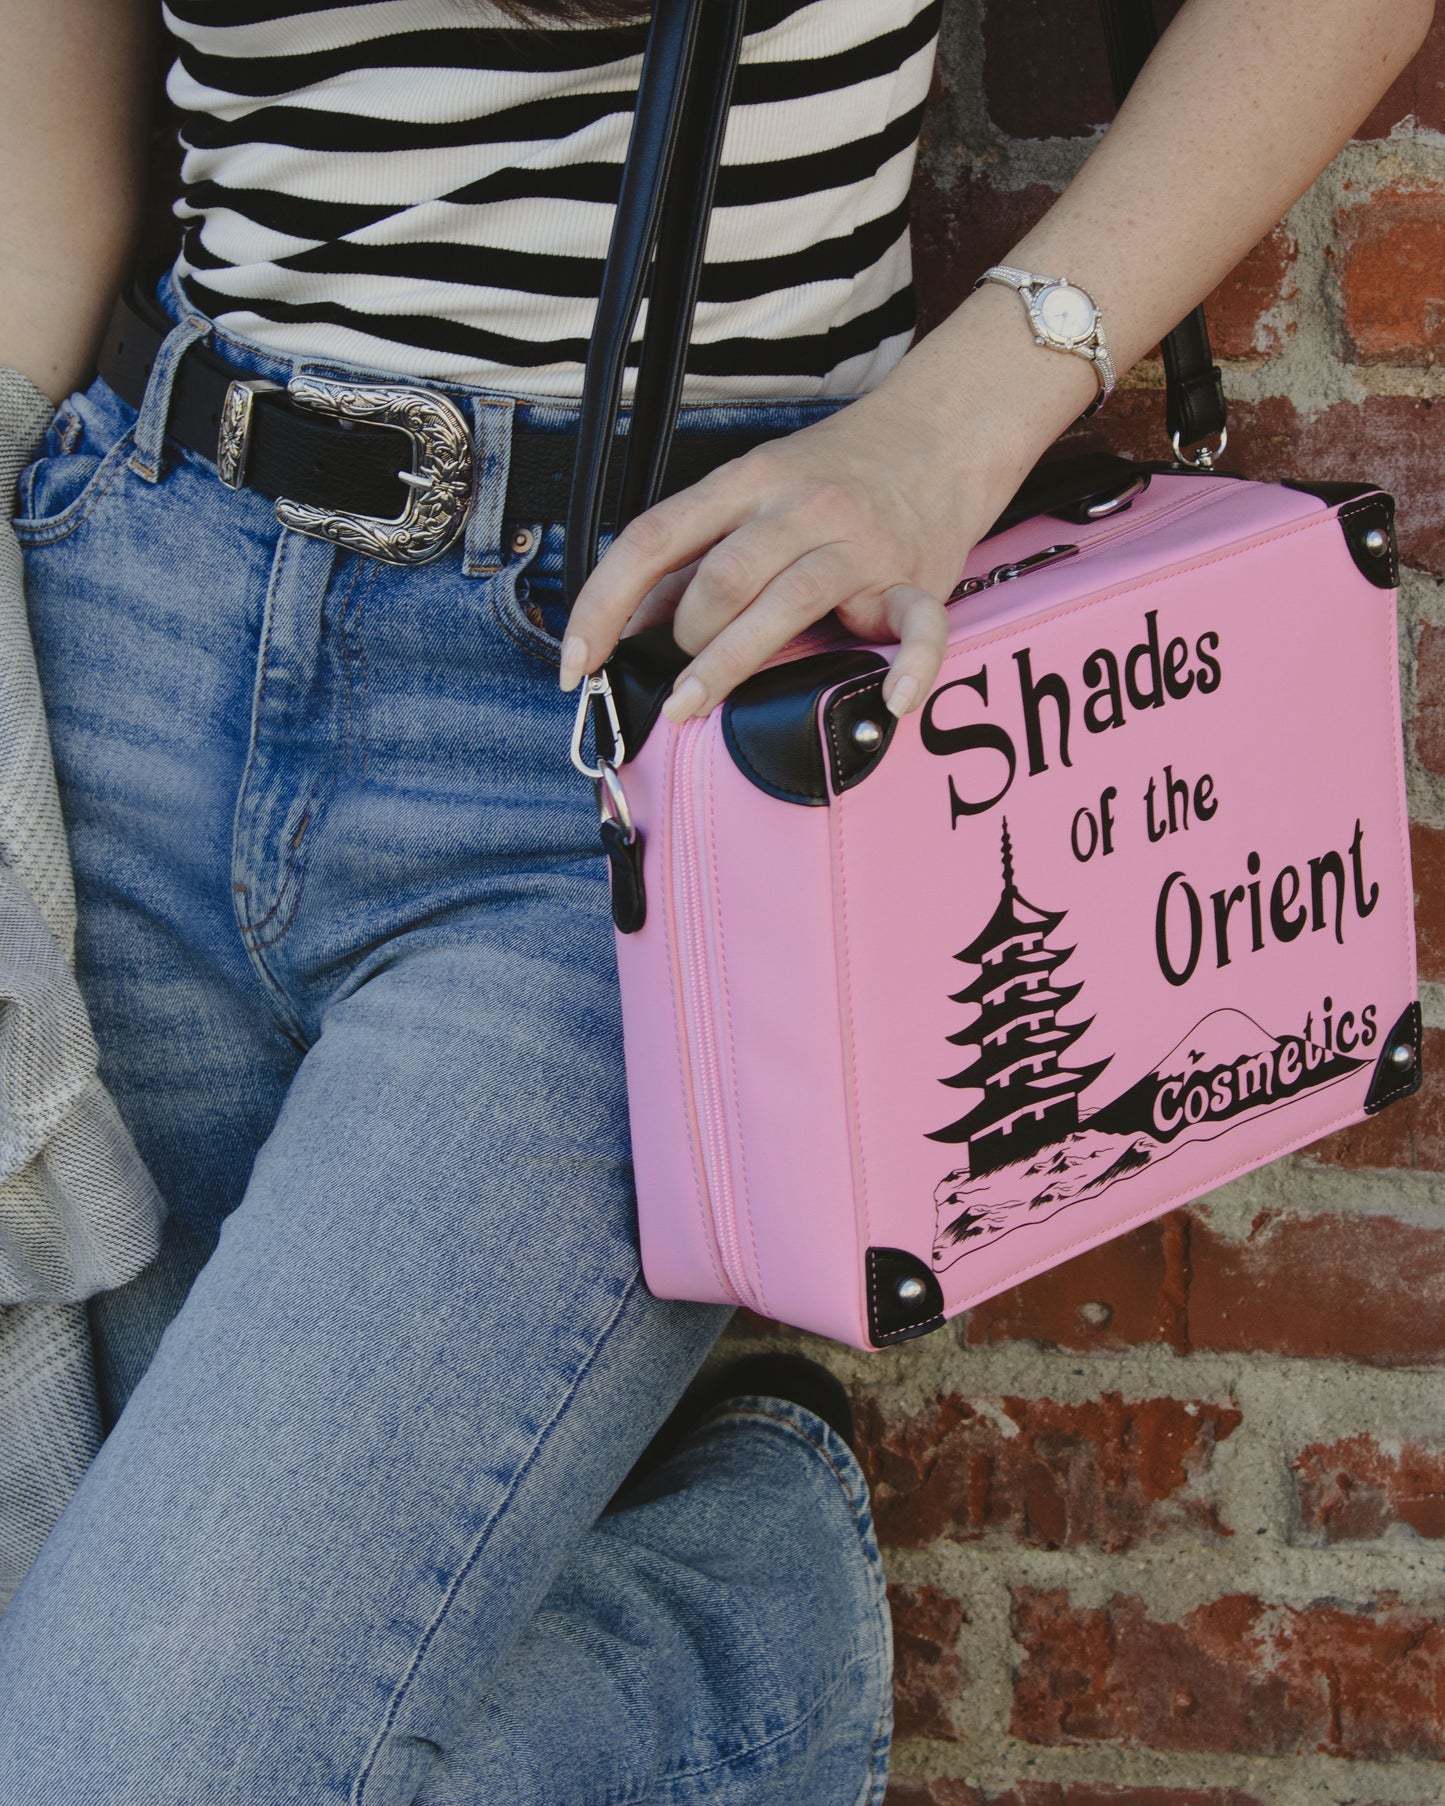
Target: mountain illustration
<point>1221,1038</point>
<point>1032,1151</point>
<point>1226,1066</point>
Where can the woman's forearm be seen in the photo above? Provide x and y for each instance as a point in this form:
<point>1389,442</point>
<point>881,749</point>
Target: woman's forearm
<point>74,105</point>
<point>1239,109</point>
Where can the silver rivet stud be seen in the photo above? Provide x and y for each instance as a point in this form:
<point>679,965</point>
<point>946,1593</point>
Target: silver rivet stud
<point>910,1290</point>
<point>523,540</point>
<point>867,735</point>
<point>1377,542</point>
<point>1402,1056</point>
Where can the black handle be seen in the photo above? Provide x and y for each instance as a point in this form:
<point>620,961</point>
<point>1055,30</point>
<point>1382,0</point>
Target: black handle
<point>1194,392</point>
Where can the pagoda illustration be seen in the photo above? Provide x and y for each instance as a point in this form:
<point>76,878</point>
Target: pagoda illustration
<point>1030,1093</point>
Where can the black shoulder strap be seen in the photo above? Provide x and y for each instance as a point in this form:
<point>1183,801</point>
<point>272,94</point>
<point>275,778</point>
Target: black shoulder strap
<point>659,234</point>
<point>1195,394</point>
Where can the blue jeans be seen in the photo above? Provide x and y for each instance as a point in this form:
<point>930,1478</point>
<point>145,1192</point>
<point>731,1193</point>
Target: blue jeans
<point>346,940</point>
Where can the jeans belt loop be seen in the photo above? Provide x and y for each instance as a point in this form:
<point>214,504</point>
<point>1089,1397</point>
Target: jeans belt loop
<point>147,460</point>
<point>440,478</point>
<point>492,418</point>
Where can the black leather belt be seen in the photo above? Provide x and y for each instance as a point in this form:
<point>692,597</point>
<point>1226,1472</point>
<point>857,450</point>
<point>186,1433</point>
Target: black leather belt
<point>384,468</point>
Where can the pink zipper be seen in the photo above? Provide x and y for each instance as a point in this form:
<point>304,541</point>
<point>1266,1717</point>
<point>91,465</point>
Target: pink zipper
<point>692,751</point>
<point>1171,512</point>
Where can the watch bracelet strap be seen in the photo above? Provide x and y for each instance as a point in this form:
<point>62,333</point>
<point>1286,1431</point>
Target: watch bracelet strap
<point>1194,390</point>
<point>1108,375</point>
<point>1010,275</point>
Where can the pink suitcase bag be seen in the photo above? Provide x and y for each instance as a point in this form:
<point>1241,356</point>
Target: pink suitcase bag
<point>915,1010</point>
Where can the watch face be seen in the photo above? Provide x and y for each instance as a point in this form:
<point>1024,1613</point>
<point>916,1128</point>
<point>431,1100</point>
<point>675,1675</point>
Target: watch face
<point>1067,313</point>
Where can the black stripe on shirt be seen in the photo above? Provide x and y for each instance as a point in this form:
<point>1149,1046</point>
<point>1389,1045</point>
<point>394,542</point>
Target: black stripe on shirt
<point>508,51</point>
<point>739,185</point>
<point>315,128</point>
<point>815,356</point>
<point>540,273</point>
<point>298,216</point>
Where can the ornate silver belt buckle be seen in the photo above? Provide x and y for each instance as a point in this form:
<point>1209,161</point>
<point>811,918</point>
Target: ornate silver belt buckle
<point>234,439</point>
<point>440,478</point>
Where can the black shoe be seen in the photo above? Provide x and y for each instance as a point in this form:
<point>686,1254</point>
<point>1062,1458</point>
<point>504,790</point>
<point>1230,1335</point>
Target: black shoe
<point>789,1376</point>
<point>786,1376</point>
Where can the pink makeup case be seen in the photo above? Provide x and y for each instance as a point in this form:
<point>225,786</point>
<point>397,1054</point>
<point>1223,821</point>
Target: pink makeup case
<point>917,1009</point>
<point>920,1009</point>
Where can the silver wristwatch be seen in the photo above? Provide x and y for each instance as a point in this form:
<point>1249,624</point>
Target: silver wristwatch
<point>1064,318</point>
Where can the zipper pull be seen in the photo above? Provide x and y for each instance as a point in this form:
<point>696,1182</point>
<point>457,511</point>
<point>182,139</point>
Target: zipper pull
<point>1007,573</point>
<point>622,843</point>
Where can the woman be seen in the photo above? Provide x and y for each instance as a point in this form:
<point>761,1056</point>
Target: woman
<point>344,929</point>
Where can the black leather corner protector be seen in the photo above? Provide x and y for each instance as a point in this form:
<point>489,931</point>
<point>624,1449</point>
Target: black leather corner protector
<point>895,1319</point>
<point>642,671</point>
<point>770,723</point>
<point>1392,1081</point>
<point>846,710</point>
<point>1068,487</point>
<point>629,899</point>
<point>1372,513</point>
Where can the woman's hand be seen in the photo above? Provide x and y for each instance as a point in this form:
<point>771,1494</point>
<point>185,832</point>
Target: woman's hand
<point>868,515</point>
<point>861,515</point>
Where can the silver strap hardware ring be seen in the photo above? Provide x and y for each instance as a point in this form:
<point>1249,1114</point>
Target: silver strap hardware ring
<point>612,803</point>
<point>1203,457</point>
<point>440,480</point>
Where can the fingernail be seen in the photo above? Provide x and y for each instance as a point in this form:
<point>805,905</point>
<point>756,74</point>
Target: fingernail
<point>901,693</point>
<point>574,661</point>
<point>685,701</point>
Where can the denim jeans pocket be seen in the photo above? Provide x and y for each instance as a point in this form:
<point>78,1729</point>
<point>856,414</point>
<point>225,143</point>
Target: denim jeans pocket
<point>528,596</point>
<point>85,450</point>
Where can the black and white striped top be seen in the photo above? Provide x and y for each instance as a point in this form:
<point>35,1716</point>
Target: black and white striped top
<point>423,187</point>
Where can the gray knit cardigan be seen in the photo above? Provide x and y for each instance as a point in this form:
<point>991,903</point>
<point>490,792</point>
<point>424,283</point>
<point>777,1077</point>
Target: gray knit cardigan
<point>78,1210</point>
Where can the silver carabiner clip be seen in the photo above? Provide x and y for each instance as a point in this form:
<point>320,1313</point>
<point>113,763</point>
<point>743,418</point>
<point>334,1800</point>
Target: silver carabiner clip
<point>594,689</point>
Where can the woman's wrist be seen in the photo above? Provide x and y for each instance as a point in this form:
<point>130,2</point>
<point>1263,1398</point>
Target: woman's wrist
<point>991,399</point>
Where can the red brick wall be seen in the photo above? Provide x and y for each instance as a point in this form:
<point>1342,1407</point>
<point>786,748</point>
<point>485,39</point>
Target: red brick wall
<point>1164,1527</point>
